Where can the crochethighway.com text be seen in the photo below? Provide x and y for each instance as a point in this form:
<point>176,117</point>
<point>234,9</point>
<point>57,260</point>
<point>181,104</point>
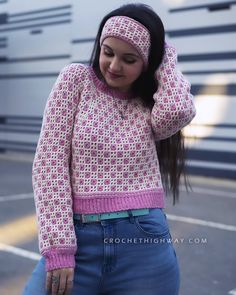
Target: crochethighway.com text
<point>189,240</point>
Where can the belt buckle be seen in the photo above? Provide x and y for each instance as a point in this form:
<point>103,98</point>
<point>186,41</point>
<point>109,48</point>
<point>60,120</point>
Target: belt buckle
<point>85,220</point>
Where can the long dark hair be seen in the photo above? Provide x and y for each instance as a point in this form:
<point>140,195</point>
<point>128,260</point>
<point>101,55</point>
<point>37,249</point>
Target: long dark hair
<point>170,151</point>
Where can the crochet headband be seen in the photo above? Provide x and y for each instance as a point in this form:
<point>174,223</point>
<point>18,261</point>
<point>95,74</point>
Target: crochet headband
<point>129,30</point>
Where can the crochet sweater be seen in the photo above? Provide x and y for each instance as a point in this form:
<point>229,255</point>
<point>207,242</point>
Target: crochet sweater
<point>92,159</point>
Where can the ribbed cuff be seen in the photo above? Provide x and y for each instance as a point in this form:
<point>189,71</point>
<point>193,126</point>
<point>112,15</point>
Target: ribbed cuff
<point>55,261</point>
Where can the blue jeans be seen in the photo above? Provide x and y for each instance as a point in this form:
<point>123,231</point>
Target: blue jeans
<point>124,256</point>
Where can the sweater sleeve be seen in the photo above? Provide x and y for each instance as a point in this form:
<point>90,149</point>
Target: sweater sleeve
<point>173,108</point>
<point>50,171</point>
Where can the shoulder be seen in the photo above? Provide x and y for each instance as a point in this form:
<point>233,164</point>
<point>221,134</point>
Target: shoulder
<point>76,70</point>
<point>75,74</point>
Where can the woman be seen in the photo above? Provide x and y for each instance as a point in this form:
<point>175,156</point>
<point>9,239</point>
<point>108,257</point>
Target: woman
<point>109,141</point>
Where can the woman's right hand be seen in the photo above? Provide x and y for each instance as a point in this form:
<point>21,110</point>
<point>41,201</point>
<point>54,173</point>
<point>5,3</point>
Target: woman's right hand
<point>60,281</point>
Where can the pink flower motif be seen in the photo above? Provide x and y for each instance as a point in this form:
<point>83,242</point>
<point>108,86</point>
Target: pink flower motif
<point>100,175</point>
<point>168,115</point>
<point>60,227</point>
<point>87,145</point>
<point>62,241</point>
<point>119,168</point>
<point>131,168</point>
<point>54,148</point>
<point>41,210</point>
<point>113,175</point>
<point>95,124</point>
<point>100,161</point>
<point>87,129</point>
<point>55,235</point>
<point>107,182</point>
<point>126,161</point>
<point>61,183</point>
<point>45,203</point>
<point>107,168</point>
<point>176,98</point>
<point>125,174</point>
<point>120,154</point>
<point>81,152</point>
<point>87,174</point>
<point>59,170</point>
<point>132,154</point>
<point>93,181</point>
<point>119,181</point>
<point>81,167</point>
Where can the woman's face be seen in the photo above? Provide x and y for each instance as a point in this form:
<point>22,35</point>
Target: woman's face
<point>120,63</point>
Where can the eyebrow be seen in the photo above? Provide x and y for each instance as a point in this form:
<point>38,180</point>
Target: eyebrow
<point>128,53</point>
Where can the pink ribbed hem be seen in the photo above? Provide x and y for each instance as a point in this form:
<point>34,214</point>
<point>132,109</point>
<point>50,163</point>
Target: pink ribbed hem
<point>57,258</point>
<point>110,202</point>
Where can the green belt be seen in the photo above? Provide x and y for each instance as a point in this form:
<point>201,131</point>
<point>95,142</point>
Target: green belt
<point>86,218</point>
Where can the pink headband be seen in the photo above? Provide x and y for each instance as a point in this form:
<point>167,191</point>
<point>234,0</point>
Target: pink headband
<point>129,30</point>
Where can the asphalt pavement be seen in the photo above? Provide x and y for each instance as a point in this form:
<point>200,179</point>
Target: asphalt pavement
<point>202,224</point>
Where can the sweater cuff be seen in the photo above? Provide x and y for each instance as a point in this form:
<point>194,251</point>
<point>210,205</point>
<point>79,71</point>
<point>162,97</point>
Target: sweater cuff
<point>55,261</point>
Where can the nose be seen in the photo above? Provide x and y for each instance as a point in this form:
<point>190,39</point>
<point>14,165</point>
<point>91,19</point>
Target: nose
<point>115,65</point>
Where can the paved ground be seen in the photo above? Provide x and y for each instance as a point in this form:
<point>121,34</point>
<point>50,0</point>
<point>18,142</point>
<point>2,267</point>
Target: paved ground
<point>203,226</point>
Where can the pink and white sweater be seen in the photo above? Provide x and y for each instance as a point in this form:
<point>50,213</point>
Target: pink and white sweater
<point>91,160</point>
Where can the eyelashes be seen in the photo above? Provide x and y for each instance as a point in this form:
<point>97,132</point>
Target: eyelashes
<point>125,59</point>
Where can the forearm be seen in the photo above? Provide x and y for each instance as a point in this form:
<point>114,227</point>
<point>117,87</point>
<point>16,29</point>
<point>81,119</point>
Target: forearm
<point>173,108</point>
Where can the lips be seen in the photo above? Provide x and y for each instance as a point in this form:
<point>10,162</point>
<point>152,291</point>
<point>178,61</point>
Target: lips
<point>113,75</point>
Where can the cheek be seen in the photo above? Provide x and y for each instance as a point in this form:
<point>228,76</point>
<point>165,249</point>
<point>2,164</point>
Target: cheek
<point>103,58</point>
<point>135,72</point>
<point>102,62</point>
